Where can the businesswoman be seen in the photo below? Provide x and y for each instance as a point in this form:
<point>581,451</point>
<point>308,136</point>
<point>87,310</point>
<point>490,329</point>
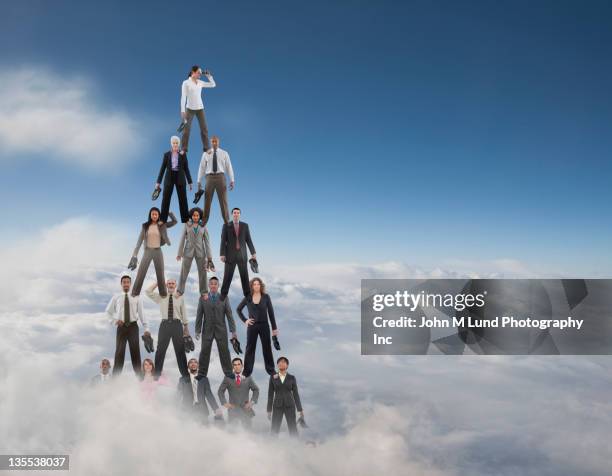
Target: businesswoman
<point>195,243</point>
<point>260,309</point>
<point>176,169</point>
<point>154,235</point>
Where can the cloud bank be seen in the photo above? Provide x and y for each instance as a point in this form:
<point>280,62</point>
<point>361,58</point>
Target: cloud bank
<point>44,114</point>
<point>421,415</point>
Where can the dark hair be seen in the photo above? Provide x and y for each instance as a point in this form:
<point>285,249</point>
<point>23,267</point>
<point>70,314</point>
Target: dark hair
<point>236,359</point>
<point>147,223</point>
<point>214,278</point>
<point>236,208</point>
<point>282,358</point>
<point>125,276</point>
<point>262,286</point>
<point>194,68</point>
<point>195,209</point>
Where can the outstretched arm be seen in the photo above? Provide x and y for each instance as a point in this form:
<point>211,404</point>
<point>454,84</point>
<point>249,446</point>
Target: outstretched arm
<point>150,292</point>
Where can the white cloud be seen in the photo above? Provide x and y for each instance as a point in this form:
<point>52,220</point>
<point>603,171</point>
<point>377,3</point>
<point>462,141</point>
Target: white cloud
<point>422,415</point>
<point>50,116</point>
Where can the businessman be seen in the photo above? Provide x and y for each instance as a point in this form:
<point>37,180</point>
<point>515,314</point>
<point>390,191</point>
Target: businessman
<point>173,326</point>
<point>192,105</point>
<point>124,311</point>
<point>240,405</point>
<point>104,375</point>
<point>215,164</point>
<point>210,323</point>
<point>175,167</point>
<point>194,393</point>
<point>235,237</point>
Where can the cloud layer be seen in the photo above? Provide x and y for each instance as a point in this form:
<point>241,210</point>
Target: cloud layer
<point>46,115</point>
<point>422,415</point>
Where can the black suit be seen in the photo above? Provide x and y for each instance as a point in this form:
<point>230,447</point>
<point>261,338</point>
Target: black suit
<point>283,399</point>
<point>235,256</point>
<point>260,313</point>
<point>204,392</point>
<point>174,178</point>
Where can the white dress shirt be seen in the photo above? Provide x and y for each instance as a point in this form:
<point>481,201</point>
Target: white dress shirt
<point>178,304</point>
<point>194,387</point>
<point>224,164</point>
<point>114,309</point>
<point>191,93</point>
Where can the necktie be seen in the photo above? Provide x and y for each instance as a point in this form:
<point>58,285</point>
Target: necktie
<point>170,308</point>
<point>215,165</point>
<point>194,387</point>
<point>126,310</point>
<point>238,380</point>
<point>213,297</point>
<point>237,231</point>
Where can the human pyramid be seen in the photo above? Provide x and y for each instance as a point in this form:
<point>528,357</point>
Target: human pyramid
<point>125,308</point>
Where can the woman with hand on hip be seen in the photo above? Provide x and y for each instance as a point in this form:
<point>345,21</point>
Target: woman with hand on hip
<point>260,309</point>
<point>154,235</point>
<point>195,243</point>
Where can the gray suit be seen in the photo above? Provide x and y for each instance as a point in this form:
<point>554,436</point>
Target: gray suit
<point>210,322</point>
<point>238,396</point>
<point>194,245</point>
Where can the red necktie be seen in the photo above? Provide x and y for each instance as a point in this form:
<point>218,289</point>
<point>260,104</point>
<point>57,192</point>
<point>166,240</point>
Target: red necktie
<point>238,380</point>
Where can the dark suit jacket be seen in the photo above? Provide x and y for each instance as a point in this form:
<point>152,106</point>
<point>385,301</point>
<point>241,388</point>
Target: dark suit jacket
<point>228,242</point>
<point>183,170</point>
<point>204,393</point>
<point>210,318</point>
<point>283,395</point>
<point>265,305</point>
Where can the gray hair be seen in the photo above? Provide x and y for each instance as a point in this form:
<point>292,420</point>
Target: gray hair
<point>173,138</point>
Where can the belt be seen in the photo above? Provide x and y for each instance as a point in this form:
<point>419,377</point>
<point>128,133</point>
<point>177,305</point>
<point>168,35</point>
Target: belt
<point>213,173</point>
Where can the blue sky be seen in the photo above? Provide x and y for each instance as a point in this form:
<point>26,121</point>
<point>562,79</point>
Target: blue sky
<point>360,131</point>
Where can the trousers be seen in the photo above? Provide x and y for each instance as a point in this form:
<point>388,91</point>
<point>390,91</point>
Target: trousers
<point>127,334</point>
<point>155,255</point>
<point>170,331</point>
<point>199,113</point>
